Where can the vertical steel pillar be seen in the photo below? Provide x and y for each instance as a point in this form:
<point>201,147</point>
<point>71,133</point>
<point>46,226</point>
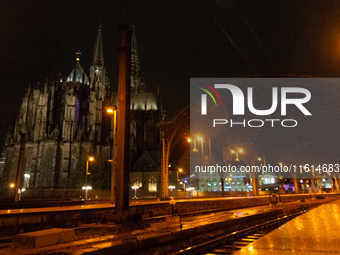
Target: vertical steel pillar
<point>123,121</point>
<point>255,184</point>
<point>113,164</point>
<point>165,167</point>
<point>296,185</point>
<point>320,185</point>
<point>313,185</point>
<point>336,183</point>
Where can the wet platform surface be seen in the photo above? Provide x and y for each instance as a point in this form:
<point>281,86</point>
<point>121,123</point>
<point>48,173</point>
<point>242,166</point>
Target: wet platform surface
<point>315,232</point>
<point>155,231</point>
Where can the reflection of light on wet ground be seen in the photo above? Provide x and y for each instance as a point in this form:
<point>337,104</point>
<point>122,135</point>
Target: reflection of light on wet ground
<point>239,214</point>
<point>315,232</point>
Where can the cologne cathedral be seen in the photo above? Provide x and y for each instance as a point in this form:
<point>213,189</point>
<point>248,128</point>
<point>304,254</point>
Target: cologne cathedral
<point>66,118</point>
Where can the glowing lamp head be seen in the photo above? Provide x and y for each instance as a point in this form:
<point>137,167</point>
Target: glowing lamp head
<point>109,110</point>
<point>180,170</point>
<point>91,158</point>
<point>232,151</point>
<point>12,185</point>
<point>240,150</point>
<point>200,139</point>
<point>189,140</point>
<point>259,159</point>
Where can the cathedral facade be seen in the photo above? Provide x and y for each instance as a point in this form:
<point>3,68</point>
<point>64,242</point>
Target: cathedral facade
<point>65,120</point>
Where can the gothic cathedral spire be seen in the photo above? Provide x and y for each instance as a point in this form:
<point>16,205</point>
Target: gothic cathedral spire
<point>134,53</point>
<point>97,69</point>
<point>98,58</point>
<point>137,79</point>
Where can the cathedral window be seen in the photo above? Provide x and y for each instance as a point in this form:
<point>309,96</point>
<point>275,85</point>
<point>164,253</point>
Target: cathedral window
<point>77,110</point>
<point>152,184</point>
<point>138,182</point>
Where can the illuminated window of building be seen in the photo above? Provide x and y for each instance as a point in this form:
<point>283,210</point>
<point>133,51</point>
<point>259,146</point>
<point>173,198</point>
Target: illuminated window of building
<point>138,182</point>
<point>152,184</point>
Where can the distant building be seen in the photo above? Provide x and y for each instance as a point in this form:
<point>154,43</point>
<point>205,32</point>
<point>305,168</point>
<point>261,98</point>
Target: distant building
<point>66,118</point>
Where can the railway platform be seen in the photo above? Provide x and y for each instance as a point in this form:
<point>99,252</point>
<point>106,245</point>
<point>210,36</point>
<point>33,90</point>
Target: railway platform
<point>159,233</point>
<point>314,232</point>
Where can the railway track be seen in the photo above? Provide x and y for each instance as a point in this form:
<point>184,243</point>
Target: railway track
<point>230,243</point>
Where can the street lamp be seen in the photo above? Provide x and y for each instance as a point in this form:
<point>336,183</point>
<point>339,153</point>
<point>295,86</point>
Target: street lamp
<point>264,161</point>
<point>19,192</point>
<point>236,152</point>
<point>135,187</point>
<point>180,170</point>
<point>86,188</point>
<point>201,139</point>
<point>113,165</point>
<point>194,150</point>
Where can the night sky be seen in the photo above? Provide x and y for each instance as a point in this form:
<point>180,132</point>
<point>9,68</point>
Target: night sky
<point>176,40</point>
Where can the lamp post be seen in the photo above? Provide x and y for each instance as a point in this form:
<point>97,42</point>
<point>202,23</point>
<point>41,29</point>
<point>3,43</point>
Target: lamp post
<point>256,180</point>
<point>178,175</point>
<point>189,141</point>
<point>236,152</point>
<point>135,187</point>
<point>87,173</point>
<point>201,139</point>
<point>171,188</point>
<point>19,192</point>
<point>179,180</point>
<point>12,185</point>
<point>264,160</point>
<point>113,163</point>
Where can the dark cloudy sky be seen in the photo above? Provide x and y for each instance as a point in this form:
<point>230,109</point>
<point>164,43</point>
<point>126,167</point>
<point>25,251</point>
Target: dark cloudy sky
<point>176,40</point>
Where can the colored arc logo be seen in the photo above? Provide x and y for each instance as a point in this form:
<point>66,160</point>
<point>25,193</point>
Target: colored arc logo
<point>209,93</point>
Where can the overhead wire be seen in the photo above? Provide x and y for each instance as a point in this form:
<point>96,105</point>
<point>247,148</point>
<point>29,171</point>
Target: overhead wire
<point>229,38</point>
<point>263,48</point>
<point>258,40</point>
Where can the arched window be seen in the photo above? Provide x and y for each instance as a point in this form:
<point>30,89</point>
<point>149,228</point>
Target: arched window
<point>138,182</point>
<point>152,184</point>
